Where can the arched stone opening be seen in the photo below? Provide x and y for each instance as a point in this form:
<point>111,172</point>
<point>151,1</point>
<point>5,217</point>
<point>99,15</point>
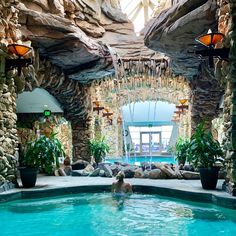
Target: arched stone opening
<point>31,121</point>
<point>115,94</point>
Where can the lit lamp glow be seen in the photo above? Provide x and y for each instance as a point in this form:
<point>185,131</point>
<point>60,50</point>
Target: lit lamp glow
<point>183,101</point>
<point>182,107</point>
<point>210,40</point>
<point>20,51</point>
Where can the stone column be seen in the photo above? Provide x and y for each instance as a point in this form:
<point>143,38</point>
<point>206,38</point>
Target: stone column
<point>8,131</point>
<point>205,97</point>
<point>81,134</point>
<point>227,25</point>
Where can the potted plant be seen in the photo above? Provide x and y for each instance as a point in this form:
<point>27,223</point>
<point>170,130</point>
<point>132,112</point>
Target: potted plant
<point>181,150</point>
<point>43,153</point>
<point>204,152</point>
<point>98,149</point>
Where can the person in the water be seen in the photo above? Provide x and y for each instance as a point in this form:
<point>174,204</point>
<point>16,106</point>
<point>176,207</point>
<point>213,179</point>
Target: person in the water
<point>120,188</point>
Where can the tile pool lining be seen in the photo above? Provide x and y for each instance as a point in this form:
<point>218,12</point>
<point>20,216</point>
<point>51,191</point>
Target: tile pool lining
<point>227,202</point>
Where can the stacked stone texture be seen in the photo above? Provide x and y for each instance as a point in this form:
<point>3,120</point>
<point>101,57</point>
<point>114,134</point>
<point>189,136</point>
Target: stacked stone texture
<point>205,98</point>
<point>8,131</point>
<point>81,134</point>
<point>227,26</point>
<point>115,94</point>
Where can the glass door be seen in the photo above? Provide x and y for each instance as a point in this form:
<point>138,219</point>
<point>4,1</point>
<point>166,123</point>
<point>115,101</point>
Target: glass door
<point>145,143</point>
<point>150,143</point>
<point>155,142</point>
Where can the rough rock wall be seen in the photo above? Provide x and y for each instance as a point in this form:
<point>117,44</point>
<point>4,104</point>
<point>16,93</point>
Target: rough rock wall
<point>66,34</point>
<point>117,93</point>
<point>8,132</point>
<point>173,32</point>
<point>81,134</point>
<point>227,73</point>
<point>75,101</point>
<point>206,93</point>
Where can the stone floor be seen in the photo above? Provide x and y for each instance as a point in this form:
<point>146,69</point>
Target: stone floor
<point>183,189</point>
<point>48,182</point>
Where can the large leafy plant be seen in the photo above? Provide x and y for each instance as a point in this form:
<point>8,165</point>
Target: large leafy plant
<point>44,152</point>
<point>98,148</point>
<point>204,151</point>
<point>182,150</point>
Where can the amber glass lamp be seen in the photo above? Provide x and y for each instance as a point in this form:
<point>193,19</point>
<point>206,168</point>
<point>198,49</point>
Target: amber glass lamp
<point>182,105</point>
<point>20,51</point>
<point>183,101</point>
<point>210,40</point>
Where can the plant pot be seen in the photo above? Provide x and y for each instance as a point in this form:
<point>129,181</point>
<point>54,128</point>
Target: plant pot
<point>28,176</point>
<point>209,177</point>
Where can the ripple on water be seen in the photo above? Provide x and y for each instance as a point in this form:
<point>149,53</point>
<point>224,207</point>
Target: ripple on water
<point>100,214</point>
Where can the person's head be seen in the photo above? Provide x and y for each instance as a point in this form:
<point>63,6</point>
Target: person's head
<point>120,176</point>
<point>67,161</point>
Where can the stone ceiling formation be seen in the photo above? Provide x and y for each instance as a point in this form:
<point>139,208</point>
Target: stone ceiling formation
<point>86,41</point>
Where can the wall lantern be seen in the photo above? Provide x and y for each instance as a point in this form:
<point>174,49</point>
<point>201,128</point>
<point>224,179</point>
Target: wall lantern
<point>107,113</point>
<point>19,50</point>
<point>210,40</point>
<point>97,106</point>
<point>119,120</point>
<point>183,105</point>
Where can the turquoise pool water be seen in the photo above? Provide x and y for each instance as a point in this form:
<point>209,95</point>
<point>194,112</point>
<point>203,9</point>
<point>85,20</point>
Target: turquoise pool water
<point>132,160</point>
<point>101,215</point>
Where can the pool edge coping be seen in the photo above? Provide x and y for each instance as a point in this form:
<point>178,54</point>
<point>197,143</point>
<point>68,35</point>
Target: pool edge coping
<point>192,196</point>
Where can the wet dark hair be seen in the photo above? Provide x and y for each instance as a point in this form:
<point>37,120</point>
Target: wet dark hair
<point>67,161</point>
<point>120,175</point>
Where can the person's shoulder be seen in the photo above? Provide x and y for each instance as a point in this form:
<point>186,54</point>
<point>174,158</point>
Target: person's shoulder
<point>128,184</point>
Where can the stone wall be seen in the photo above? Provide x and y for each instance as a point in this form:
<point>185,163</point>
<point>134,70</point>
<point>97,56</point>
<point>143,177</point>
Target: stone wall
<point>117,93</point>
<point>9,33</point>
<point>8,131</point>
<point>81,134</point>
<point>227,73</point>
<point>206,94</point>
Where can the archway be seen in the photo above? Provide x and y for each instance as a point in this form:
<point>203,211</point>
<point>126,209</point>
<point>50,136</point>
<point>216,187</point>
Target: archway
<point>31,121</point>
<point>130,91</point>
